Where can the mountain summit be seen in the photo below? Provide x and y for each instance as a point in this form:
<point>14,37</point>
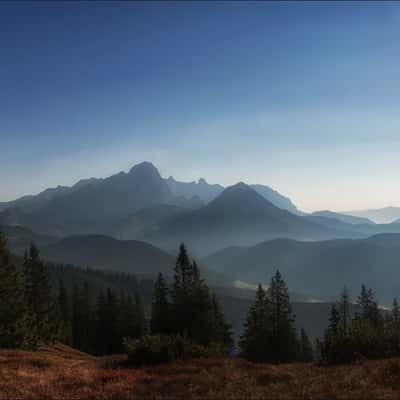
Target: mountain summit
<point>145,169</point>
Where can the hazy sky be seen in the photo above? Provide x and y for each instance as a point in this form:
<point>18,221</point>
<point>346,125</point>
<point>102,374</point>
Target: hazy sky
<point>302,97</point>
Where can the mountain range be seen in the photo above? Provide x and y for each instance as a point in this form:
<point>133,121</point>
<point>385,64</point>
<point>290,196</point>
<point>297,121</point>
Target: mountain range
<point>141,205</point>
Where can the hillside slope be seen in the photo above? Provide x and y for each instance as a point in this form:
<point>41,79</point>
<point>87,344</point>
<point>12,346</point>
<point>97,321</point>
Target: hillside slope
<point>64,375</point>
<point>321,268</point>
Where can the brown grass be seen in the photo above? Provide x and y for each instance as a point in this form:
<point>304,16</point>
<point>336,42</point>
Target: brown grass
<point>62,373</point>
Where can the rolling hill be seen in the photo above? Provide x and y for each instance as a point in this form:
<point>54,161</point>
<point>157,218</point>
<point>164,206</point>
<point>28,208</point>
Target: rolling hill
<point>133,256</point>
<point>104,252</point>
<point>348,219</point>
<point>321,268</point>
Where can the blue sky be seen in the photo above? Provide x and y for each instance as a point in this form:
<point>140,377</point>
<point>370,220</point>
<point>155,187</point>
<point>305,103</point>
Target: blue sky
<point>303,97</point>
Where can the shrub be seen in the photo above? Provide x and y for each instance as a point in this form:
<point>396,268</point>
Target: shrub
<point>157,349</point>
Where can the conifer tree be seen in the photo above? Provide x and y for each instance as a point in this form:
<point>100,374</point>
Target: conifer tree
<point>221,331</point>
<point>253,340</point>
<point>141,327</point>
<point>39,299</point>
<point>334,320</point>
<point>396,314</point>
<point>368,307</point>
<point>129,318</point>
<point>180,293</point>
<point>306,353</point>
<point>82,319</point>
<point>13,328</point>
<point>393,326</point>
<point>65,314</point>
<point>108,340</point>
<point>160,309</point>
<point>192,305</point>
<point>283,336</point>
<point>344,308</point>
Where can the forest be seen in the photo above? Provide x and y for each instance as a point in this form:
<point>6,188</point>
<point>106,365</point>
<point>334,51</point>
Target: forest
<point>42,304</point>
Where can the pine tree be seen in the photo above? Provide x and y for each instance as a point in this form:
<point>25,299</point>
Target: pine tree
<point>282,321</point>
<point>65,314</point>
<point>344,308</point>
<point>253,340</point>
<point>141,326</point>
<point>180,293</point>
<point>393,327</point>
<point>192,305</point>
<point>161,309</point>
<point>108,340</point>
<point>221,331</point>
<point>306,353</point>
<point>39,299</point>
<point>129,318</point>
<point>12,314</point>
<point>82,319</point>
<point>368,307</point>
<point>334,320</point>
<point>396,314</point>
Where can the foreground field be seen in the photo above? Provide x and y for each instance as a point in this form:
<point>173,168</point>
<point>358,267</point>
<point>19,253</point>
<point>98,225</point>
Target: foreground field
<point>62,373</point>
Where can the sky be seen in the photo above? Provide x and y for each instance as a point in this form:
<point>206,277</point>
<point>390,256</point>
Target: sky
<point>303,97</point>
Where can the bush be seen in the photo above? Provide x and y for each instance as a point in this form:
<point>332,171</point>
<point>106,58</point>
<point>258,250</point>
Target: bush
<point>357,344</point>
<point>157,349</point>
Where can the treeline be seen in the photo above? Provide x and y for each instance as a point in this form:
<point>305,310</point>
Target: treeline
<point>360,330</point>
<point>269,331</point>
<point>43,303</point>
<point>99,327</point>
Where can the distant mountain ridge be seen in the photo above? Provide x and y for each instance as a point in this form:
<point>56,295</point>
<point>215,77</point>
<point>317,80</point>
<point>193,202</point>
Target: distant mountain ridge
<point>239,215</point>
<point>92,205</point>
<point>319,267</point>
<point>384,215</point>
<point>107,205</point>
<point>348,219</point>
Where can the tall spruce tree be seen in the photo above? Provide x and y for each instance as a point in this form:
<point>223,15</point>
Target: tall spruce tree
<point>334,320</point>
<point>82,319</point>
<point>269,331</point>
<point>283,336</point>
<point>13,329</point>
<point>141,325</point>
<point>129,318</point>
<point>65,313</point>
<point>393,326</point>
<point>221,331</point>
<point>344,308</point>
<point>160,308</point>
<point>253,342</point>
<point>368,310</point>
<point>396,314</point>
<point>192,310</point>
<point>39,299</point>
<point>306,353</point>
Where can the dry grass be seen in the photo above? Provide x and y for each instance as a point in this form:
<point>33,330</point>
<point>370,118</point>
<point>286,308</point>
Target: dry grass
<point>62,373</point>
